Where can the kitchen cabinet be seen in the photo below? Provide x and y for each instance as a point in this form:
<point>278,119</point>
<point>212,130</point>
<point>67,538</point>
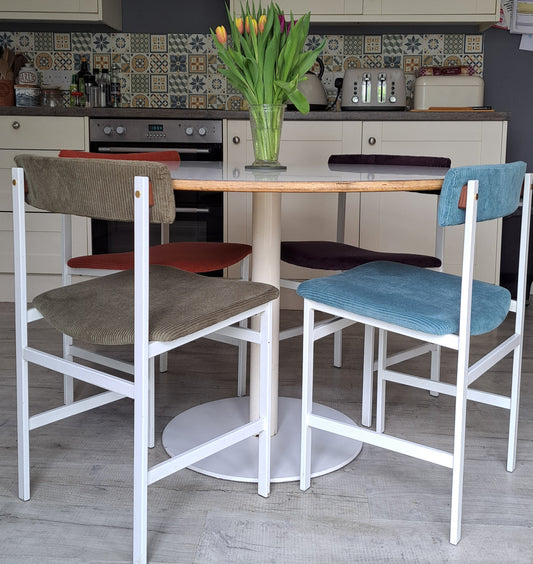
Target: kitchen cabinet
<point>43,136</point>
<point>390,11</point>
<point>108,12</point>
<point>395,222</point>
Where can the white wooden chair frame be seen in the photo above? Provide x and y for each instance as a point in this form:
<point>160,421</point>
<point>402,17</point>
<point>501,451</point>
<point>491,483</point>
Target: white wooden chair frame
<point>141,390</point>
<point>466,374</point>
<point>69,272</point>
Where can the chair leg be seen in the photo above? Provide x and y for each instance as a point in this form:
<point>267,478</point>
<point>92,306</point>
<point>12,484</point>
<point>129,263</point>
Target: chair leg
<point>459,447</point>
<point>515,404</point>
<point>381,381</point>
<point>242,363</point>
<point>265,402</point>
<point>307,396</point>
<point>243,345</point>
<point>368,376</point>
<point>163,362</point>
<point>23,428</point>
<point>140,481</point>
<point>68,381</point>
<point>337,349</point>
<point>151,403</point>
<point>435,368</point>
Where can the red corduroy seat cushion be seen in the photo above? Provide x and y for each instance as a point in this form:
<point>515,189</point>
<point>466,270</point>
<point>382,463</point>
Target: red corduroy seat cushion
<point>156,156</point>
<point>193,257</point>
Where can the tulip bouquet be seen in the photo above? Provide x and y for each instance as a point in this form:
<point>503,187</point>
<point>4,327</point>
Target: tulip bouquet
<point>265,62</point>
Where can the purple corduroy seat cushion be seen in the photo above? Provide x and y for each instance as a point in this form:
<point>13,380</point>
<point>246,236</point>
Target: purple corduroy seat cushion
<point>330,255</point>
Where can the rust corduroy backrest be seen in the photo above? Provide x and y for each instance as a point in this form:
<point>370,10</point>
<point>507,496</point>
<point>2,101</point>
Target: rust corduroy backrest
<point>101,189</point>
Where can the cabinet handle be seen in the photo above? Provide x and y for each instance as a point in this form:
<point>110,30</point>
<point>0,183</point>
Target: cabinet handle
<point>15,125</point>
<point>236,140</point>
<point>372,141</point>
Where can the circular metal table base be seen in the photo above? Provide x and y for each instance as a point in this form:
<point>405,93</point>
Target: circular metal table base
<point>239,462</point>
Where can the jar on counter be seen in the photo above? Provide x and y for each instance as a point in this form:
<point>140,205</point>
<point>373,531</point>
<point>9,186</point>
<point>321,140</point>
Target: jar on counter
<point>51,97</point>
<point>28,76</point>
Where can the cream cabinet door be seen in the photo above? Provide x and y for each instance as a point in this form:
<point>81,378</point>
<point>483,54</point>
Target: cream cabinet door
<point>391,10</point>
<point>43,136</point>
<point>303,216</point>
<point>405,221</point>
<point>102,11</point>
<point>316,7</point>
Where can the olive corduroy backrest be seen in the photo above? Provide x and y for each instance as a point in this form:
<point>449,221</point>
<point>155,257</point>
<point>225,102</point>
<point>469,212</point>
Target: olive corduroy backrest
<point>101,189</point>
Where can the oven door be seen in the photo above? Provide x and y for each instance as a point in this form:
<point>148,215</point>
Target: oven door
<point>199,215</point>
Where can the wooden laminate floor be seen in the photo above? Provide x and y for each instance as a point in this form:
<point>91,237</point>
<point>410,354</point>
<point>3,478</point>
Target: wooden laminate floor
<point>381,508</point>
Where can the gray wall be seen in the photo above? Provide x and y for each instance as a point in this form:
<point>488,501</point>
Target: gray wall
<point>509,88</point>
<point>172,16</point>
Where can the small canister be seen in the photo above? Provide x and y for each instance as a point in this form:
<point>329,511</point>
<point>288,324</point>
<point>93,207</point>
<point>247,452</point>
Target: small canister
<point>27,95</point>
<point>28,76</point>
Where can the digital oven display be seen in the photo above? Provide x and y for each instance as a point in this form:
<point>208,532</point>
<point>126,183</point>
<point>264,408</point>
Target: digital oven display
<point>155,127</point>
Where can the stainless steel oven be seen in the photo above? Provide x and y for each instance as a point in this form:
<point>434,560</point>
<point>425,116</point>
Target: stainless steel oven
<point>199,215</point>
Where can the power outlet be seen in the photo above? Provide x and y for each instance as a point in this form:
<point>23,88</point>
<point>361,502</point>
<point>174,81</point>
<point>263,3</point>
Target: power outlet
<point>57,79</point>
<point>328,80</point>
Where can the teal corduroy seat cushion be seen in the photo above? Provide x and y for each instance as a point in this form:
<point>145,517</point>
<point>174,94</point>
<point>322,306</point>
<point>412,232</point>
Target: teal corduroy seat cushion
<point>411,297</point>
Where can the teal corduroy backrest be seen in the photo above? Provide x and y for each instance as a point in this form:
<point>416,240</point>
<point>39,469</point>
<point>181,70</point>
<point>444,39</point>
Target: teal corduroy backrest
<point>499,191</point>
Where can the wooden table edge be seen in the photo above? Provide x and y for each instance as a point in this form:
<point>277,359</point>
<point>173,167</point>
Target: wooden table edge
<point>409,185</point>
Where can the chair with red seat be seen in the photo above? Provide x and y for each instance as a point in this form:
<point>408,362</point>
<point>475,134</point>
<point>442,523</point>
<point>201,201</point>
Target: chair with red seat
<point>197,257</point>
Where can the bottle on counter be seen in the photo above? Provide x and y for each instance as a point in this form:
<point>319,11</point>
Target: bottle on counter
<point>105,84</point>
<point>89,87</point>
<point>82,76</point>
<point>114,86</point>
<point>73,88</point>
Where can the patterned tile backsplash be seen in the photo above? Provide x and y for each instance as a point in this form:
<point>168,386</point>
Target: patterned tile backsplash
<point>180,70</point>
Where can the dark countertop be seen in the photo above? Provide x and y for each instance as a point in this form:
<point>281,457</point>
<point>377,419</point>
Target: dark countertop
<point>167,113</point>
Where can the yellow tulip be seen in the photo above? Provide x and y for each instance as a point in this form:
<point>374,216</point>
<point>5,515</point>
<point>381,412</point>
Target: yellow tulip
<point>240,25</point>
<point>262,23</point>
<point>251,22</point>
<point>222,34</point>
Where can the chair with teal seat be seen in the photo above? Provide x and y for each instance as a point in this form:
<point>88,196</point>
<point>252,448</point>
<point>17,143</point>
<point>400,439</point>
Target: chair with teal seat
<point>433,307</point>
<point>335,256</point>
<point>153,308</point>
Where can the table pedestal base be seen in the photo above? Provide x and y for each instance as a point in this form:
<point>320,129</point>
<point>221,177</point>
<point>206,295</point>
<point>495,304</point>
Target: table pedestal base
<point>239,462</point>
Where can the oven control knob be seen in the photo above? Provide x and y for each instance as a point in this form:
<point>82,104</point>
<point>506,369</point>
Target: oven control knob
<point>120,130</point>
<point>189,131</point>
<point>108,130</point>
<point>202,131</point>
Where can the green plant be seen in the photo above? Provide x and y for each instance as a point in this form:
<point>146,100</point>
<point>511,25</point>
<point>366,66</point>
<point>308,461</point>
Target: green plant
<point>266,60</point>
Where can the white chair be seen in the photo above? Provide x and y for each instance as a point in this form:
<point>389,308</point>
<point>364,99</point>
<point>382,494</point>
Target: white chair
<point>433,307</point>
<point>155,308</point>
<point>339,256</point>
<point>194,256</point>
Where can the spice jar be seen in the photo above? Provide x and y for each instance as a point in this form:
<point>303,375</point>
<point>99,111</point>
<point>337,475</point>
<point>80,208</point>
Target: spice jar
<point>51,97</point>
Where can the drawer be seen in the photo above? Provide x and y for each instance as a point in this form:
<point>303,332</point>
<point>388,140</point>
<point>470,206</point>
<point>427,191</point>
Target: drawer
<point>42,132</point>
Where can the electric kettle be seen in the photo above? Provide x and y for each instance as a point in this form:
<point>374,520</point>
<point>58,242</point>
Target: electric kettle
<point>313,89</point>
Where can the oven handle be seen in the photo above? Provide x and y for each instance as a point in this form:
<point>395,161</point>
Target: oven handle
<point>188,150</point>
<point>192,210</point>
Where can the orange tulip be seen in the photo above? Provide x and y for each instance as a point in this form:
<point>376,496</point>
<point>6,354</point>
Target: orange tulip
<point>251,22</point>
<point>222,34</point>
<point>240,25</point>
<point>262,23</point>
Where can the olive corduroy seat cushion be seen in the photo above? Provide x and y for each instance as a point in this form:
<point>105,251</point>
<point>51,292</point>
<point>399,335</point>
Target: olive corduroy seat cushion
<point>100,311</point>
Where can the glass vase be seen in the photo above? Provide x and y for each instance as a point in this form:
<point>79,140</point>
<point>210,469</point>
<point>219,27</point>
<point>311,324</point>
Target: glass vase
<point>266,121</point>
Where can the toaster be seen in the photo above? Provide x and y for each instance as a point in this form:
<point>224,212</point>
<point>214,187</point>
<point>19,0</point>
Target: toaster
<point>373,89</point>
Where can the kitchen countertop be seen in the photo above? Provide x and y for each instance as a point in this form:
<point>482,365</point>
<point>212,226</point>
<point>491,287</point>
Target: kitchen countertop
<point>166,113</point>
